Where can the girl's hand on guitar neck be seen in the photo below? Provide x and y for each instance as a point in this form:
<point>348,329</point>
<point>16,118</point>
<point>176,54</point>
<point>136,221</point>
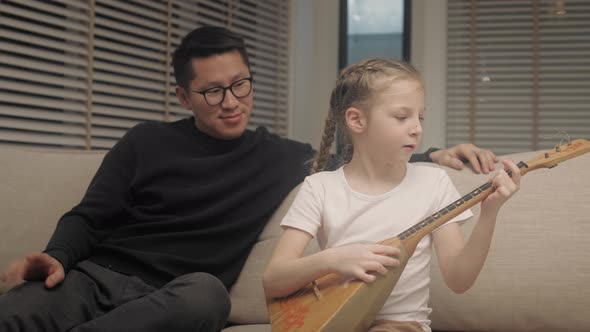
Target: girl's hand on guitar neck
<point>505,186</point>
<point>461,261</point>
<point>358,260</point>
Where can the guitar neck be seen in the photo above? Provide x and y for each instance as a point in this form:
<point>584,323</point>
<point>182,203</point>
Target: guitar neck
<point>412,235</point>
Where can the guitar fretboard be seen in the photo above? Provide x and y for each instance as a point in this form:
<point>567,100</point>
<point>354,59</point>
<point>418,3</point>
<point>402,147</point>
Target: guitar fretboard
<point>456,204</point>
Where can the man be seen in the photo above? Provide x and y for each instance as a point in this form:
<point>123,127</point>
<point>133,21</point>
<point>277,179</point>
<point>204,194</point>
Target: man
<point>173,211</point>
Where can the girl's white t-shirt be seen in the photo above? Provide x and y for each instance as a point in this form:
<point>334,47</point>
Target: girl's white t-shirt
<point>328,209</point>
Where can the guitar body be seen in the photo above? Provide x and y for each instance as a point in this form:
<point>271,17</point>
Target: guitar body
<point>343,305</point>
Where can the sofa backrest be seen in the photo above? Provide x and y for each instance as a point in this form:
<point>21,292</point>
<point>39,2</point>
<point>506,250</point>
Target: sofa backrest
<point>535,277</point>
<point>37,188</point>
<point>536,274</point>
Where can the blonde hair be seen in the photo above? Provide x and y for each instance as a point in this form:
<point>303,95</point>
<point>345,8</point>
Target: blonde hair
<point>355,87</point>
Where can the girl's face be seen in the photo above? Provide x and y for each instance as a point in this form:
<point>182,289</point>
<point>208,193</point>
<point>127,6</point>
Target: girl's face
<point>394,122</point>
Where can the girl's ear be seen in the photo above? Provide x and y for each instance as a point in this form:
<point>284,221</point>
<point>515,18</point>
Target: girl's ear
<point>356,119</point>
<point>183,98</point>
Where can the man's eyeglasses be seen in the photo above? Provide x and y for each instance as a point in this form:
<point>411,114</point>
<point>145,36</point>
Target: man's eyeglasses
<point>215,95</point>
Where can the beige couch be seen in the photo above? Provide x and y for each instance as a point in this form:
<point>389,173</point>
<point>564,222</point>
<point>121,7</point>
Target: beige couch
<point>536,278</point>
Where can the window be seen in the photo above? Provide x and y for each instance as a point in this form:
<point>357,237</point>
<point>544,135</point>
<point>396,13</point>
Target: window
<point>78,74</point>
<point>518,73</point>
<point>374,28</point>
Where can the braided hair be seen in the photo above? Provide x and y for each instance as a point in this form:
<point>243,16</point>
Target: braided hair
<point>355,87</point>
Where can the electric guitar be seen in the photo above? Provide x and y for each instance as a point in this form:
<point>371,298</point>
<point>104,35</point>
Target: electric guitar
<point>333,304</point>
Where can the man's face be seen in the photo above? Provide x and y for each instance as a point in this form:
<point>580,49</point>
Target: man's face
<point>227,120</point>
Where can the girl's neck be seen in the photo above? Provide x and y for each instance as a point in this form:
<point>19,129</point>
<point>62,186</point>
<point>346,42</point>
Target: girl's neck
<point>372,176</point>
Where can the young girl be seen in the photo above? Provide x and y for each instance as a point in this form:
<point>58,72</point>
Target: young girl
<point>379,105</point>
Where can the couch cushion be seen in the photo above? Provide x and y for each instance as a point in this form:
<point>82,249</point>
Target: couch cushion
<point>537,271</point>
<point>38,187</point>
<point>249,328</point>
<point>247,294</point>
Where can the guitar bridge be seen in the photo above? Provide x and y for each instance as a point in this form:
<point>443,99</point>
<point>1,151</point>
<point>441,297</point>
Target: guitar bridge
<point>316,290</point>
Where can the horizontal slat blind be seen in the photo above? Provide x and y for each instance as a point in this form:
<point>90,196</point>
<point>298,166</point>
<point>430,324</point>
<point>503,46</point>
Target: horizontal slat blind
<point>129,45</point>
<point>79,74</point>
<point>43,66</point>
<point>518,73</point>
<point>268,45</point>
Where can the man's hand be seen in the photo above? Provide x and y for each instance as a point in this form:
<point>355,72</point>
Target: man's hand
<point>36,266</point>
<point>480,160</point>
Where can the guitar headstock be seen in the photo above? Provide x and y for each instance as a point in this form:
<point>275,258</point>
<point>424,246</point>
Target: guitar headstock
<point>559,153</point>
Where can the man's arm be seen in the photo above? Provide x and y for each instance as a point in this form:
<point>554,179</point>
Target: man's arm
<point>79,230</point>
<point>480,160</point>
<point>108,194</point>
<point>423,157</point>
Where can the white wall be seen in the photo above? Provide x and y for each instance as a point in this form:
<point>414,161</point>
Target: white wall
<point>314,65</point>
<point>428,54</point>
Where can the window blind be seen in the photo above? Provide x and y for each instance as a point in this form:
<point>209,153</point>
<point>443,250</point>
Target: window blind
<point>518,73</point>
<point>79,74</point>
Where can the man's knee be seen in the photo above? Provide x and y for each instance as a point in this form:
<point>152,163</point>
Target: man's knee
<point>31,306</point>
<point>201,298</point>
<point>26,306</point>
<point>29,295</point>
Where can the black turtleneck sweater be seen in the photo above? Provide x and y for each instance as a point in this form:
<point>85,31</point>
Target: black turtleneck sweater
<point>169,200</point>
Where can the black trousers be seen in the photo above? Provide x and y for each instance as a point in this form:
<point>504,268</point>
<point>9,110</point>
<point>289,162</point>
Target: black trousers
<point>93,298</point>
